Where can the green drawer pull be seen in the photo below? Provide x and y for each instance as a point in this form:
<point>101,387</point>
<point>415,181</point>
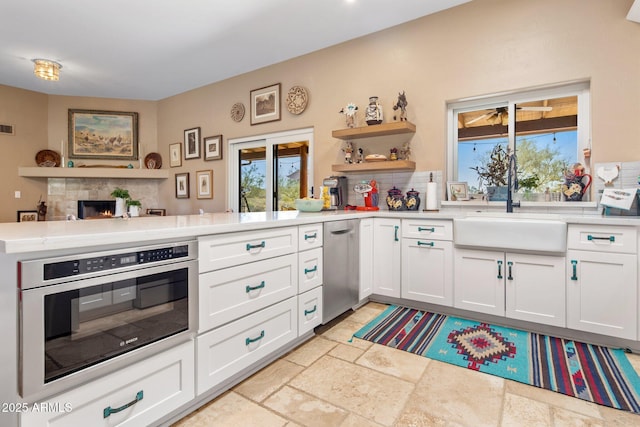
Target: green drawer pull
<point>248,341</point>
<point>430,244</point>
<point>510,264</point>
<point>574,267</point>
<point>432,229</point>
<point>253,288</point>
<point>499,269</point>
<point>396,228</point>
<point>109,410</point>
<point>310,236</point>
<point>250,246</point>
<point>310,270</point>
<point>610,238</point>
<point>313,310</point>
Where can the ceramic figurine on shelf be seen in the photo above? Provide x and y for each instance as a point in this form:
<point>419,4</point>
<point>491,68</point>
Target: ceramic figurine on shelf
<point>374,111</point>
<point>348,152</point>
<point>393,155</point>
<point>401,105</point>
<point>350,114</point>
<point>405,151</point>
<point>360,156</point>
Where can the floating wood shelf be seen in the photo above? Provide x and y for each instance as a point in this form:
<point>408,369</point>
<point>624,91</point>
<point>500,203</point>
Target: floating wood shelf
<point>383,129</point>
<point>42,172</point>
<point>389,165</point>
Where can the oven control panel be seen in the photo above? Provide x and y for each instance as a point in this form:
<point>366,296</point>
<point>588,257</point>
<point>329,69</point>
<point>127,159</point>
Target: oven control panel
<point>73,267</point>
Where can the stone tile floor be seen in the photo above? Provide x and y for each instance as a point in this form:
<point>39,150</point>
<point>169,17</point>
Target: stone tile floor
<point>329,381</point>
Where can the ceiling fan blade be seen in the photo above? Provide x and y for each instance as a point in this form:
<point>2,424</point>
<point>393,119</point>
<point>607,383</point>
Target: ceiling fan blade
<point>535,108</point>
<point>477,119</point>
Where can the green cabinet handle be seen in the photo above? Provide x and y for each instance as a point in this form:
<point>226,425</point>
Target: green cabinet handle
<point>574,267</point>
<point>106,412</point>
<point>254,288</point>
<point>248,341</point>
<point>432,229</point>
<point>396,227</point>
<point>310,236</point>
<point>250,246</point>
<point>610,238</point>
<point>430,244</point>
<point>510,264</point>
<point>310,270</point>
<point>499,269</point>
<point>313,310</point>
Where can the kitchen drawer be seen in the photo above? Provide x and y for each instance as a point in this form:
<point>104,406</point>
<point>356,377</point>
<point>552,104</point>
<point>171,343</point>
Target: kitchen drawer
<point>164,382</point>
<point>602,238</point>
<point>310,269</point>
<point>229,349</point>
<point>228,250</point>
<point>309,236</point>
<point>230,293</point>
<point>433,229</point>
<point>309,310</point>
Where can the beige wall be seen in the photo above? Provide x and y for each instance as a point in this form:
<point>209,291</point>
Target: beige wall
<point>482,47</point>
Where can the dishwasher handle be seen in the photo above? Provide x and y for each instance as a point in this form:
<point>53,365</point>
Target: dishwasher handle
<point>338,232</point>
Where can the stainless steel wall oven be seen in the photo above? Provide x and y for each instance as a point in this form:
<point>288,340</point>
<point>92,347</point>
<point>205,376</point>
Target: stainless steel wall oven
<point>83,316</point>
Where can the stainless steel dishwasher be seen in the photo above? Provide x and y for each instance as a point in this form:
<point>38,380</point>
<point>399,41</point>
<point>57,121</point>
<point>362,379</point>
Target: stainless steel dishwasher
<point>341,261</point>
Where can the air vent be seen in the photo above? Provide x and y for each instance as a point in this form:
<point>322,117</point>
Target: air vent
<point>6,129</point>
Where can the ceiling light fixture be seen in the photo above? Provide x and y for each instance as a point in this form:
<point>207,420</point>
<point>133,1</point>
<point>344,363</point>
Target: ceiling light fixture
<point>47,69</point>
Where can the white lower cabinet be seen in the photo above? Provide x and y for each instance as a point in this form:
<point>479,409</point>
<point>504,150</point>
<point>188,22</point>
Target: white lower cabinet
<point>602,293</point>
<point>310,269</point>
<point>427,271</point>
<point>520,286</point>
<point>386,256</point>
<point>134,396</point>
<point>366,258</point>
<point>309,310</point>
<point>229,349</point>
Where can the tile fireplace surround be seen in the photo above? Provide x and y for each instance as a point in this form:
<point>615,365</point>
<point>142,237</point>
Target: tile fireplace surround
<point>63,194</point>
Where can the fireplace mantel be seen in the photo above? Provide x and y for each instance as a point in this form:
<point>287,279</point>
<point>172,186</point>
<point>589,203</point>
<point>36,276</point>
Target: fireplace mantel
<point>43,172</point>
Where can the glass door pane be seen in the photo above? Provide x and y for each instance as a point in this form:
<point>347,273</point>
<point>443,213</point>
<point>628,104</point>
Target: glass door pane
<point>253,179</point>
<point>290,162</point>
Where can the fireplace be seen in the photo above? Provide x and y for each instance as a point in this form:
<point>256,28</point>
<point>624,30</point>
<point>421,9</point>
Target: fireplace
<point>96,209</point>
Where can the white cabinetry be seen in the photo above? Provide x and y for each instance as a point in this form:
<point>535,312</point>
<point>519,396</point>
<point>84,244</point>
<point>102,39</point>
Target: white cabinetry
<point>310,269</point>
<point>427,261</point>
<point>366,258</point>
<point>520,286</point>
<point>386,256</point>
<point>602,280</point>
<point>134,396</point>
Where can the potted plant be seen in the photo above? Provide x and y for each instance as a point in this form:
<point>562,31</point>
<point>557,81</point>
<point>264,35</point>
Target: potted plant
<point>134,207</point>
<point>121,196</point>
<point>493,174</point>
<point>529,184</point>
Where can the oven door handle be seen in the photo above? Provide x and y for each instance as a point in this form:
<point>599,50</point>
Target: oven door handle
<point>109,410</point>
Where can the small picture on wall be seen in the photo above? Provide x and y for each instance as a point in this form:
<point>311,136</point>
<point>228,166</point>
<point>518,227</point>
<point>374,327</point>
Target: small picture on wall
<point>204,181</point>
<point>192,143</point>
<point>182,185</point>
<point>458,191</point>
<point>175,154</point>
<point>265,104</point>
<point>27,216</point>
<point>213,147</point>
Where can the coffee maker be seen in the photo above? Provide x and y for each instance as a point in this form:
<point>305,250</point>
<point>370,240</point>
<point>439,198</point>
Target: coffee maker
<point>338,192</point>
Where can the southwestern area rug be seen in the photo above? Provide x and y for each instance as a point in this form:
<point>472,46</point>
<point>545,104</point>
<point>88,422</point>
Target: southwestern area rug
<point>589,372</point>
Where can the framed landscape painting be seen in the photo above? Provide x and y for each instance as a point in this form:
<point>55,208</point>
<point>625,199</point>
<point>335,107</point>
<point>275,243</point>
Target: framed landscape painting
<point>265,104</point>
<point>213,147</point>
<point>97,134</point>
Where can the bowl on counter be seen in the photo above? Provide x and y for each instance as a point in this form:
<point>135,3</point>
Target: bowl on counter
<point>309,205</point>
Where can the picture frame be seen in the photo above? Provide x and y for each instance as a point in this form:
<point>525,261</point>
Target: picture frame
<point>175,155</point>
<point>182,185</point>
<point>265,104</point>
<point>192,143</point>
<point>27,216</point>
<point>458,191</point>
<point>157,212</point>
<point>204,182</point>
<point>213,147</point>
<point>101,134</point>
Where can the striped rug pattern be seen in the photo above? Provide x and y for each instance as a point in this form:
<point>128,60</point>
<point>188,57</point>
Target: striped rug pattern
<point>597,374</point>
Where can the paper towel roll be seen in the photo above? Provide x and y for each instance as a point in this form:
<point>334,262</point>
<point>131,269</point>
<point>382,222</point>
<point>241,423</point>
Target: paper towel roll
<point>432,196</point>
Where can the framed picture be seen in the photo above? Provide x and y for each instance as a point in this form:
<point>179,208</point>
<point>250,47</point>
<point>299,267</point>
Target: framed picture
<point>265,104</point>
<point>458,191</point>
<point>108,135</point>
<point>157,212</point>
<point>182,185</point>
<point>175,155</point>
<point>192,143</point>
<point>27,216</point>
<point>213,147</point>
<point>204,181</point>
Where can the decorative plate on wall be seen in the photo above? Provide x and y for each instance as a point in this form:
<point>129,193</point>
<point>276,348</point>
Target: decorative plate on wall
<point>237,111</point>
<point>153,161</point>
<point>297,99</point>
